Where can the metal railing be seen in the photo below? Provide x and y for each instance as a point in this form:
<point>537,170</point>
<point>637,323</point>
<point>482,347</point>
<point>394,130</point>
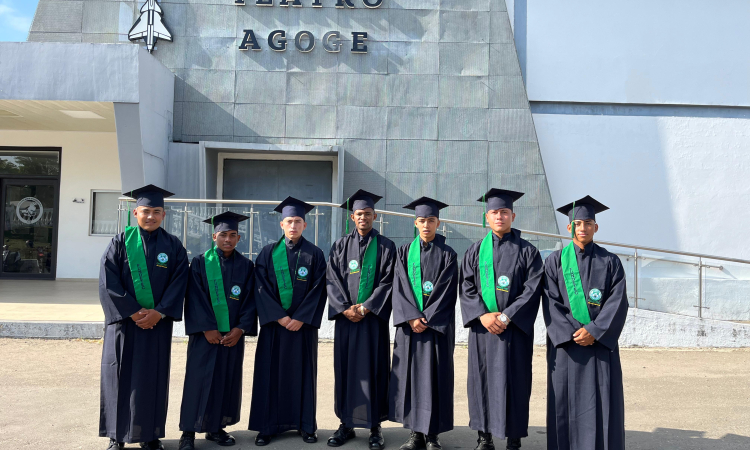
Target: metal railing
<point>326,228</point>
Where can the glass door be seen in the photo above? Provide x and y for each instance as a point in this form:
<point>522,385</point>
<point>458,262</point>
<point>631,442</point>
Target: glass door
<point>29,228</point>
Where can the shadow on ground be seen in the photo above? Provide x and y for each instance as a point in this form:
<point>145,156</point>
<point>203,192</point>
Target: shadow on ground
<point>465,439</point>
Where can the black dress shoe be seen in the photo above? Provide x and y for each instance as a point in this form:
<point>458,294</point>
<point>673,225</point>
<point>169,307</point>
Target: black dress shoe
<point>415,441</point>
<point>485,442</point>
<point>221,437</point>
<point>310,438</point>
<point>187,442</point>
<point>376,441</point>
<point>514,443</point>
<point>114,445</point>
<point>341,435</point>
<point>432,442</point>
<point>262,439</point>
<point>153,445</point>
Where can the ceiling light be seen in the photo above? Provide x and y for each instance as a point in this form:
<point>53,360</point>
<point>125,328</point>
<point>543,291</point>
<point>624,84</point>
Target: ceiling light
<point>82,114</point>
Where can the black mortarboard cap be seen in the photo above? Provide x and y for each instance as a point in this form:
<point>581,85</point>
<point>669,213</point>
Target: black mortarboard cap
<point>585,208</point>
<point>226,221</point>
<point>361,200</point>
<point>150,195</point>
<point>500,198</point>
<point>426,207</point>
<point>291,207</point>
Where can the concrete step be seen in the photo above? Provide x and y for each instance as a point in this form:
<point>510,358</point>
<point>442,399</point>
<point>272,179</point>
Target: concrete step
<point>642,329</point>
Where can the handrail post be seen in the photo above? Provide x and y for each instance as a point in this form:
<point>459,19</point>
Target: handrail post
<point>251,230</point>
<point>184,226</point>
<point>316,225</point>
<point>119,216</point>
<point>700,287</point>
<point>635,277</point>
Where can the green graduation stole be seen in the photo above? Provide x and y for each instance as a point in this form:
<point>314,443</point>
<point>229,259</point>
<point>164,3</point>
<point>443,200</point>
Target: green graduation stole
<point>414,269</point>
<point>138,267</point>
<point>487,273</point>
<point>369,260</point>
<point>216,289</point>
<point>573,285</point>
<point>281,269</point>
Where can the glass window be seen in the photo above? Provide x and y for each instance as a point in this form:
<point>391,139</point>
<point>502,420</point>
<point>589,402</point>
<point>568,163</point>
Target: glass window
<point>104,206</point>
<point>29,162</point>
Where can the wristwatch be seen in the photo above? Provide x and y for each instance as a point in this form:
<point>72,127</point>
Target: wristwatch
<point>504,319</point>
<point>362,310</point>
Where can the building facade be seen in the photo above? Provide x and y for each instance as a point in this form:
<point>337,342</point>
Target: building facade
<point>317,99</point>
<point>260,99</point>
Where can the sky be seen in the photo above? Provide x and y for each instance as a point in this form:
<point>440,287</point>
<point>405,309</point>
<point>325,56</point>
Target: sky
<point>15,19</point>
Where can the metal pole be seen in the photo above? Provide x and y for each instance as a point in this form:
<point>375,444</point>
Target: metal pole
<point>316,225</point>
<point>119,217</point>
<point>184,226</point>
<point>251,230</point>
<point>382,224</point>
<point>700,287</point>
<point>635,277</point>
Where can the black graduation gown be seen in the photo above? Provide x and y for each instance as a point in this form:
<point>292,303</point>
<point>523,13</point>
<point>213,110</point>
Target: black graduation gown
<point>585,404</point>
<point>499,381</point>
<point>212,392</point>
<point>135,362</point>
<point>421,386</point>
<point>362,350</point>
<point>286,362</point>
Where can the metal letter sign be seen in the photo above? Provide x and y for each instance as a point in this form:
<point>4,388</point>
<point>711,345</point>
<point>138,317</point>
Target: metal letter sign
<point>149,26</point>
<point>331,42</point>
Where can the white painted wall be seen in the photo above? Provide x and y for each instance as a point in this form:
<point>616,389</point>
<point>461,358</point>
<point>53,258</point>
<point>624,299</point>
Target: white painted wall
<point>679,183</point>
<point>89,161</point>
<point>639,51</point>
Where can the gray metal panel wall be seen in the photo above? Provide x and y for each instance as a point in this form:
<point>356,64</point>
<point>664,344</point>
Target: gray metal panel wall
<point>437,107</point>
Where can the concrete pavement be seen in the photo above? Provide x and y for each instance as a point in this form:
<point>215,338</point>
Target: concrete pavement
<point>675,399</point>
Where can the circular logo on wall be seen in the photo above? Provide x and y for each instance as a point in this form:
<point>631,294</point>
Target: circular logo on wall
<point>162,258</point>
<point>427,286</point>
<point>595,294</point>
<point>302,272</point>
<point>29,210</point>
<point>503,282</point>
<point>236,290</point>
<point>353,264</point>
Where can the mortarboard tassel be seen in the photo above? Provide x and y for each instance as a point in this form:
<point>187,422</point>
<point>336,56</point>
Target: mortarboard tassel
<point>573,228</point>
<point>131,194</point>
<point>484,216</point>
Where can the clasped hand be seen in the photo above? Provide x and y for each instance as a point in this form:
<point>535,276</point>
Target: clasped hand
<point>583,337</point>
<point>290,324</point>
<point>353,313</point>
<point>418,325</point>
<point>228,340</point>
<point>492,322</point>
<point>146,318</point>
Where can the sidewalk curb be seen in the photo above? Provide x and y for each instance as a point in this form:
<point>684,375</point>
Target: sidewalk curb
<point>52,330</point>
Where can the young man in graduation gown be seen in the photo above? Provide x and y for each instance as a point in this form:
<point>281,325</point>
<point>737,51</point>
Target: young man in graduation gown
<point>585,305</point>
<point>219,313</point>
<point>425,289</point>
<point>144,273</point>
<point>500,291</point>
<point>359,279</point>
<point>290,296</point>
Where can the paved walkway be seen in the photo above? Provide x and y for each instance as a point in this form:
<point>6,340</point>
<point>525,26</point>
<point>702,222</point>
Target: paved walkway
<point>50,301</point>
<point>675,399</point>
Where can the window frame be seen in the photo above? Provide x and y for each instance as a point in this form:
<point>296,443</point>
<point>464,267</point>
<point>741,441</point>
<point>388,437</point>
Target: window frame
<point>91,212</point>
